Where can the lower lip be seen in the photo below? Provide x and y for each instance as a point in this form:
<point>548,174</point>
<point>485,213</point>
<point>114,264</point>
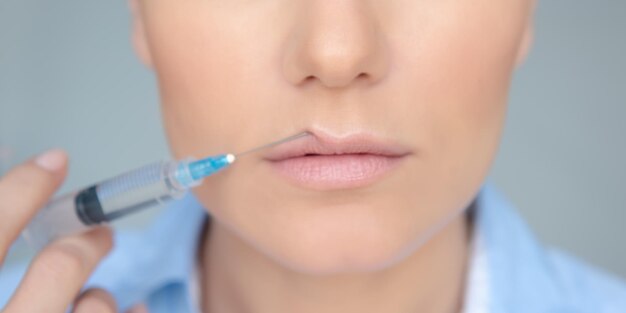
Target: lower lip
<point>326,172</point>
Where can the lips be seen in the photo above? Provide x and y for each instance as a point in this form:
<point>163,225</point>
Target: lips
<point>322,161</point>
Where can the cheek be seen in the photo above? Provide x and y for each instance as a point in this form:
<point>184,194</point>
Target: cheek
<point>471,90</point>
<point>458,70</point>
<point>211,74</point>
<point>464,79</point>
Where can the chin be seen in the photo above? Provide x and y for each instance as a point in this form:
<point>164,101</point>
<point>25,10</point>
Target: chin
<point>333,243</point>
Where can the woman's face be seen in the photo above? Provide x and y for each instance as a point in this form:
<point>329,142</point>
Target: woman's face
<point>430,76</point>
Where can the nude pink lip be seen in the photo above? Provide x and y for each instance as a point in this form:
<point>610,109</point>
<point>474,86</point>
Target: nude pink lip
<point>325,162</point>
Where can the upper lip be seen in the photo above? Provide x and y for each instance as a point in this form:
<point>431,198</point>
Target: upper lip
<point>323,143</point>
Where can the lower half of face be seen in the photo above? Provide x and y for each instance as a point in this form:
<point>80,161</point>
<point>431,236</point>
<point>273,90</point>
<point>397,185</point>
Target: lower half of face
<point>237,75</point>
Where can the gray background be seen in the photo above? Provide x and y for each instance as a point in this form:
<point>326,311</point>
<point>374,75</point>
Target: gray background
<point>68,78</point>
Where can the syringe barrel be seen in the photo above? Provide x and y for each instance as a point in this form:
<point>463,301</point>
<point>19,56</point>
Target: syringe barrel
<point>58,218</point>
<point>78,211</point>
<point>144,187</point>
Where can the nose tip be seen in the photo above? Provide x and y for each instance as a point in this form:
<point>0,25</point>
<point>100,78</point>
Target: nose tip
<point>337,71</point>
<point>336,47</point>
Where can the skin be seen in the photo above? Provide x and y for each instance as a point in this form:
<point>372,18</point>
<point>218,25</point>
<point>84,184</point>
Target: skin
<point>432,75</point>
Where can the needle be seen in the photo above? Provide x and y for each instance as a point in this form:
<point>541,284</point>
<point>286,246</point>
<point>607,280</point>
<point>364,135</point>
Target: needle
<point>271,144</point>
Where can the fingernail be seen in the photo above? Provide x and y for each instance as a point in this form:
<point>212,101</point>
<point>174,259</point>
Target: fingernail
<point>52,160</point>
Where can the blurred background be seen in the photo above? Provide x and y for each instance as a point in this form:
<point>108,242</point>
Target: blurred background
<point>69,78</point>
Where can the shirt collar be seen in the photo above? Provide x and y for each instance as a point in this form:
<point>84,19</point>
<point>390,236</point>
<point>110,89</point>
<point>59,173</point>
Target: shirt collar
<point>519,271</point>
<point>477,285</point>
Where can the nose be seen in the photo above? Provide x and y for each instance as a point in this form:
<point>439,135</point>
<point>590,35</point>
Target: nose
<point>335,43</point>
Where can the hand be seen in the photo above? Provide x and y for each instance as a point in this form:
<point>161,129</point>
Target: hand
<point>57,274</point>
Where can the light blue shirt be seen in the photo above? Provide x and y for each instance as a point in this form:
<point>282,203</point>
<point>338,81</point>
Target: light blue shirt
<point>510,270</point>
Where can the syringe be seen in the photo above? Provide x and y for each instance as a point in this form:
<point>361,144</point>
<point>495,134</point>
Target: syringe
<point>125,194</point>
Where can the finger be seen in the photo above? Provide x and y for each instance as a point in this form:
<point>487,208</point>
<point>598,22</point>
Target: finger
<point>95,300</point>
<point>140,308</point>
<point>24,190</point>
<point>57,274</point>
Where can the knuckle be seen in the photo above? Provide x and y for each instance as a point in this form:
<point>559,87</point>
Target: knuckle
<point>24,185</point>
<point>95,302</point>
<point>105,240</point>
<point>25,176</point>
<point>140,308</point>
<point>23,191</point>
<point>98,295</point>
<point>63,261</point>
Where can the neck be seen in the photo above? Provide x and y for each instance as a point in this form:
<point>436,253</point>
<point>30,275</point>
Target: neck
<point>238,278</point>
